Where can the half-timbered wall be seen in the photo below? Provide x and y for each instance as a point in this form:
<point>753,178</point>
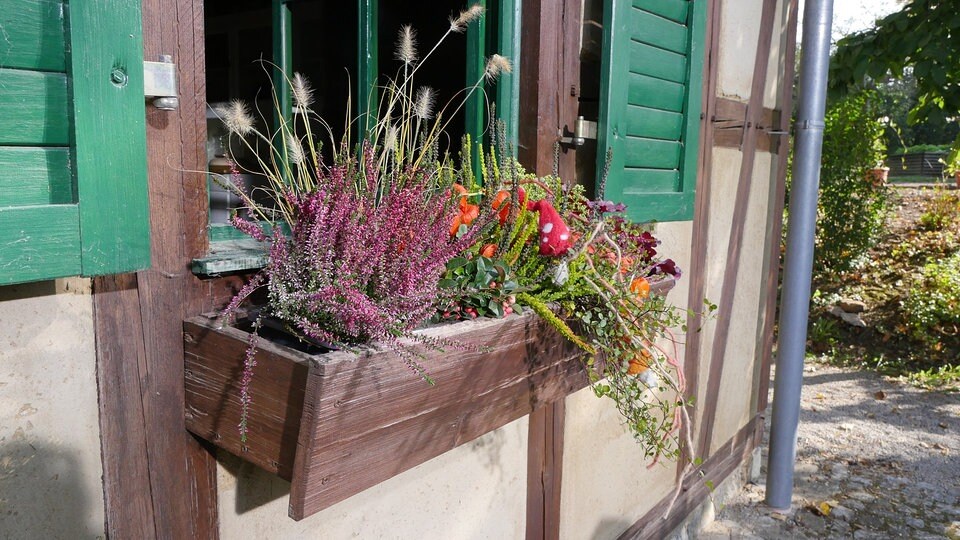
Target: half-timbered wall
<point>91,381</point>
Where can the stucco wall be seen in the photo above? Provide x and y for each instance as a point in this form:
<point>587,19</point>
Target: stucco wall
<point>475,491</point>
<point>50,472</point>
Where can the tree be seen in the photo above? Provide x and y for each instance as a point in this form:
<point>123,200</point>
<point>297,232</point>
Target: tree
<point>924,36</point>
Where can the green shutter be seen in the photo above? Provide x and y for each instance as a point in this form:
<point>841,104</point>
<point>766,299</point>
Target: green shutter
<point>73,192</point>
<point>650,90</point>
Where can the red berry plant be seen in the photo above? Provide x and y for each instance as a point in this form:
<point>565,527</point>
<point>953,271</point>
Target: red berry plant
<point>595,276</point>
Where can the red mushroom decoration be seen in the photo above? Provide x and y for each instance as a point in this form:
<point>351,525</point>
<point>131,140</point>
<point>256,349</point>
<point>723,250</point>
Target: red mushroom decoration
<point>554,237</point>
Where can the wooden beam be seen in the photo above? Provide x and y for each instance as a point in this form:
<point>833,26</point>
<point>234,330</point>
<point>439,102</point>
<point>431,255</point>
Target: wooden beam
<point>657,523</point>
<point>159,482</point>
<point>545,471</point>
<point>701,220</point>
<point>549,83</point>
<point>771,286</point>
<point>728,291</point>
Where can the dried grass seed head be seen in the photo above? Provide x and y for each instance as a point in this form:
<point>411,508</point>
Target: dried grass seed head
<point>236,116</point>
<point>302,92</point>
<point>295,149</point>
<point>423,106</point>
<point>406,45</point>
<point>495,66</point>
<point>459,24</point>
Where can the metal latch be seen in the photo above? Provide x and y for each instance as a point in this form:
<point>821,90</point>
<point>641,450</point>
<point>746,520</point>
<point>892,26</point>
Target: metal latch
<point>583,130</point>
<point>160,83</point>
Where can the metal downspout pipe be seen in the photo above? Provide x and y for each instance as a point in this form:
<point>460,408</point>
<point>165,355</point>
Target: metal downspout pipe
<point>798,264</point>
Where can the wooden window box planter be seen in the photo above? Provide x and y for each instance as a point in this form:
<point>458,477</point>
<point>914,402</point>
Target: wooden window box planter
<point>337,423</point>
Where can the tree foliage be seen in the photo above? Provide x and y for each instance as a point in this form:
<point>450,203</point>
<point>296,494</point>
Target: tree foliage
<point>922,39</point>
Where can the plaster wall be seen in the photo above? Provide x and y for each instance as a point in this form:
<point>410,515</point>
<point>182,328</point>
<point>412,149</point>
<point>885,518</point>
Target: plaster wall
<point>478,490</point>
<point>50,471</point>
<point>607,486</point>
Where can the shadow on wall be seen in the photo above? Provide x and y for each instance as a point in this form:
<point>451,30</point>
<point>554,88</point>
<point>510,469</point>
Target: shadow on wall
<point>41,493</point>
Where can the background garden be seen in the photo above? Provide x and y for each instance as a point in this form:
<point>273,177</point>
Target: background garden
<point>887,268</point>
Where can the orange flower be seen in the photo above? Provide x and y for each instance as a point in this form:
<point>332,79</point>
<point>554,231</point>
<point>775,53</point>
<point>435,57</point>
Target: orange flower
<point>639,363</point>
<point>498,202</point>
<point>488,250</point>
<point>468,212</point>
<point>640,287</point>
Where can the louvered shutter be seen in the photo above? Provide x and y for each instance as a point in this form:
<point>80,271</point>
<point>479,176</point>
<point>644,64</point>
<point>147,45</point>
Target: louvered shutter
<point>73,191</point>
<point>650,94</point>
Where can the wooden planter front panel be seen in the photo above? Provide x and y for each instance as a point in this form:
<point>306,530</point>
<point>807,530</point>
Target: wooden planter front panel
<point>338,423</point>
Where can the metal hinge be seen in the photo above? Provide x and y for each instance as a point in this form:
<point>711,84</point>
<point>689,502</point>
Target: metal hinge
<point>583,130</point>
<point>160,83</point>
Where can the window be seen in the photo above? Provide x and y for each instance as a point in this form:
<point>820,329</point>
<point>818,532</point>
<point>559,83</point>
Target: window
<point>650,94</point>
<point>73,177</point>
<point>330,41</point>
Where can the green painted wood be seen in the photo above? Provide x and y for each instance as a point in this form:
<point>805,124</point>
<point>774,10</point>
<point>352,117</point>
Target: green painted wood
<point>39,242</point>
<point>653,123</point>
<point>32,35</point>
<point>232,256</point>
<point>649,60</point>
<point>675,10</point>
<point>651,153</point>
<point>368,63</point>
<point>653,180</point>
<point>647,91</point>
<point>644,207</point>
<point>694,97</point>
<point>474,112</point>
<point>34,109</point>
<point>657,31</point>
<point>508,87</point>
<point>282,57</point>
<point>109,118</point>
<point>35,176</point>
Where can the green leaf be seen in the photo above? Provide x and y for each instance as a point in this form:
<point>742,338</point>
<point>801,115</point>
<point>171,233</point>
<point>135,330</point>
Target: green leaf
<point>457,262</point>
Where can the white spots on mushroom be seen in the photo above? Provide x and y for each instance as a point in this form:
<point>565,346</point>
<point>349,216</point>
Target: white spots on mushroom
<point>547,228</point>
<point>546,239</point>
<point>564,236</point>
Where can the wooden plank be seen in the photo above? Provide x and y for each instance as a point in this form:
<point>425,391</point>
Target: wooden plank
<point>666,65</point>
<point>34,108</point>
<point>653,123</point>
<point>213,365</point>
<point>474,109</point>
<point>651,180</point>
<point>159,481</point>
<point>368,62</point>
<point>728,291</point>
<point>675,10</point>
<point>701,225</point>
<point>772,273</point>
<point>696,486</point>
<point>659,32</point>
<point>647,91</point>
<point>125,434</point>
<point>106,74</point>
<point>651,153</point>
<point>549,83</point>
<point>544,471</point>
<point>32,176</point>
<point>642,205</point>
<point>39,242</point>
<point>508,84</point>
<point>365,418</point>
<point>32,35</point>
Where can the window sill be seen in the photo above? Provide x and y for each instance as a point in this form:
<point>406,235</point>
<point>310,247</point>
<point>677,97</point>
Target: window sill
<point>338,423</point>
<point>227,256</point>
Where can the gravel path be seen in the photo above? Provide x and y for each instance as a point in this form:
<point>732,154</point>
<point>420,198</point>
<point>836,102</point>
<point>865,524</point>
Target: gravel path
<point>875,459</point>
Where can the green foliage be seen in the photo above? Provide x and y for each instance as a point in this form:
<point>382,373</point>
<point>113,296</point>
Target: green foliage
<point>946,377</point>
<point>941,212</point>
<point>851,209</point>
<point>924,36</point>
<point>933,301</point>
